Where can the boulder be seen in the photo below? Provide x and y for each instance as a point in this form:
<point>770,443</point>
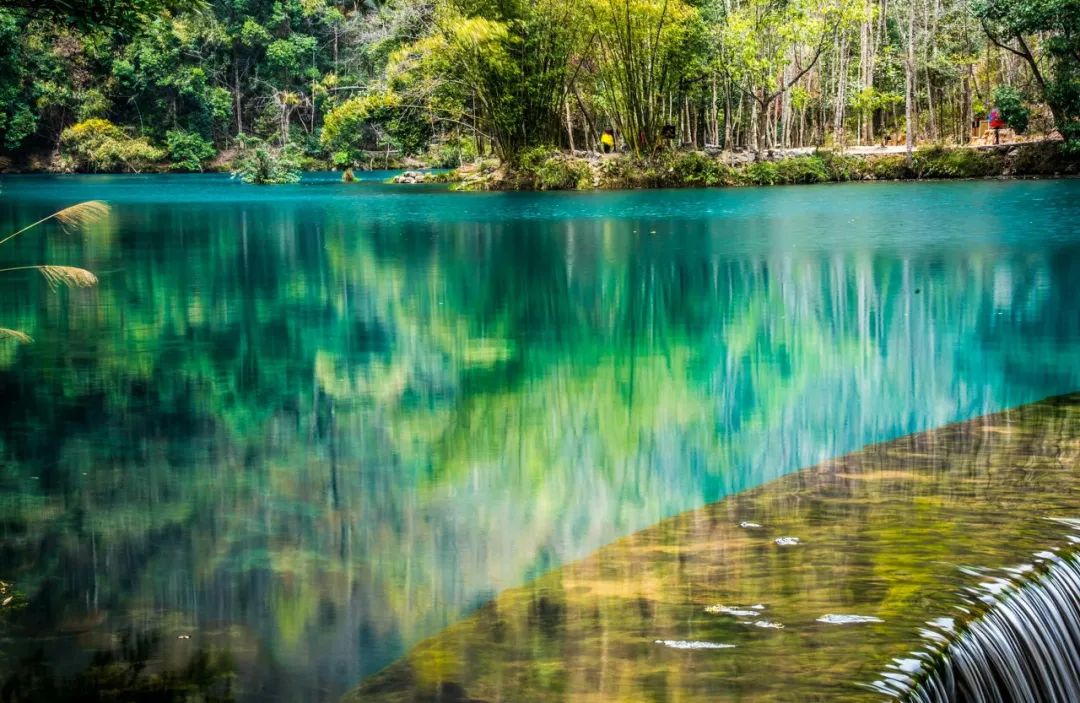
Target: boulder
<point>410,177</point>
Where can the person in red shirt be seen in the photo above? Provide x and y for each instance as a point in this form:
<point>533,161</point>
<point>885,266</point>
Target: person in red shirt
<point>996,124</point>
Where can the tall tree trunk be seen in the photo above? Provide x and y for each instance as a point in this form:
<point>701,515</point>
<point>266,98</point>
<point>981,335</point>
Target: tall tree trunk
<point>686,117</point>
<point>867,55</point>
<point>236,98</point>
<point>569,123</point>
<point>930,112</point>
<point>965,111</point>
<point>728,121</point>
<point>785,118</point>
<point>841,93</point>
<point>714,127</point>
<point>314,112</point>
<point>909,85</point>
<point>761,122</point>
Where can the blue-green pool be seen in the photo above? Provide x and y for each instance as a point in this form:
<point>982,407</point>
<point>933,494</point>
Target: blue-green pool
<point>312,425</point>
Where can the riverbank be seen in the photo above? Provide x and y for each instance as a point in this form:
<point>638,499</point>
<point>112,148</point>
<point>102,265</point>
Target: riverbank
<point>549,169</point>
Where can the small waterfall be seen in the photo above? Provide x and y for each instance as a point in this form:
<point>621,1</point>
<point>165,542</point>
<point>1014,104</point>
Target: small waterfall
<point>1021,644</point>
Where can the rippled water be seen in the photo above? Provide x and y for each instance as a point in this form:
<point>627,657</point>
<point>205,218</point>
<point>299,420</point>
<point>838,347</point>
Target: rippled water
<point>312,425</point>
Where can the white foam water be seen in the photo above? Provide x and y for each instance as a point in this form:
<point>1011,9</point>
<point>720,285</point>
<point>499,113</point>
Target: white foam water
<point>1025,647</point>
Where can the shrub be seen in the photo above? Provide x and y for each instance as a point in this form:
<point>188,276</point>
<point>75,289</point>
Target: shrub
<point>696,169</point>
<point>889,168</point>
<point>262,164</point>
<point>547,168</point>
<point>802,169</point>
<point>822,167</point>
<point>1012,107</point>
<point>840,167</point>
<point>562,172</point>
<point>188,150</point>
<point>99,145</point>
<point>760,173</point>
<point>937,162</point>
<point>620,172</point>
<point>529,160</point>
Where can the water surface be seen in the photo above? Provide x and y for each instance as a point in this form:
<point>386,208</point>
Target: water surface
<point>312,425</point>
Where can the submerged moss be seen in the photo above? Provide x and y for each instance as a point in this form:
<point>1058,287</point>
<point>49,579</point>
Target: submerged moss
<point>884,536</point>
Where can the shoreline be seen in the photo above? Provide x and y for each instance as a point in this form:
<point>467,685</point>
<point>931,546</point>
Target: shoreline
<point>550,169</point>
<point>553,170</point>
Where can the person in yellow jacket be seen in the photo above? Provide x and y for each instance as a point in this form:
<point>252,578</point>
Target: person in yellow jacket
<point>607,141</point>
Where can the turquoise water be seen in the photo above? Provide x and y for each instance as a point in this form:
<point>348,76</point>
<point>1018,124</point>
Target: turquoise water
<point>311,425</point>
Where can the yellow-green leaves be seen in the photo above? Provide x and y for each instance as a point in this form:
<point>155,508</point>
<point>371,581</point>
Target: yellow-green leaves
<point>100,145</point>
<point>78,215</point>
<point>18,336</point>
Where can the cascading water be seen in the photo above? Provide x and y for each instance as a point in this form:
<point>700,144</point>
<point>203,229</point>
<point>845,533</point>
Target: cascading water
<point>1020,645</point>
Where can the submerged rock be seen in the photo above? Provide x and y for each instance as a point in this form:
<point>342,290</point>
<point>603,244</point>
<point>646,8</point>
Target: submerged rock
<point>832,619</point>
<point>787,541</point>
<point>411,178</point>
<point>693,644</point>
<point>737,611</point>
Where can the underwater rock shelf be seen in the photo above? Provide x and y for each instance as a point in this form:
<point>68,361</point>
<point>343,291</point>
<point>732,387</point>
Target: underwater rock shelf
<point>1019,641</point>
<point>803,589</point>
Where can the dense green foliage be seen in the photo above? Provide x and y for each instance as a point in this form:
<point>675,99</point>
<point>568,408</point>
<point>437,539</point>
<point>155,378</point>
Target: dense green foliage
<point>1013,110</point>
<point>138,84</point>
<point>188,150</point>
<point>123,14</point>
<point>359,124</point>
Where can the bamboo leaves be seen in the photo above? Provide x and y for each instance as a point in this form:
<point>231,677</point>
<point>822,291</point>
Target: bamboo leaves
<point>79,215</point>
<point>18,336</point>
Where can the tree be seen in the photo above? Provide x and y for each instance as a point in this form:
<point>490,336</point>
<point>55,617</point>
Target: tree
<point>503,74</point>
<point>1046,35</point>
<point>171,77</point>
<point>516,75</point>
<point>759,39</point>
<point>643,48</point>
<point>371,122</point>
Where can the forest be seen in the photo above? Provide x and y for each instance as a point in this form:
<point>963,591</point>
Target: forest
<point>286,85</point>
